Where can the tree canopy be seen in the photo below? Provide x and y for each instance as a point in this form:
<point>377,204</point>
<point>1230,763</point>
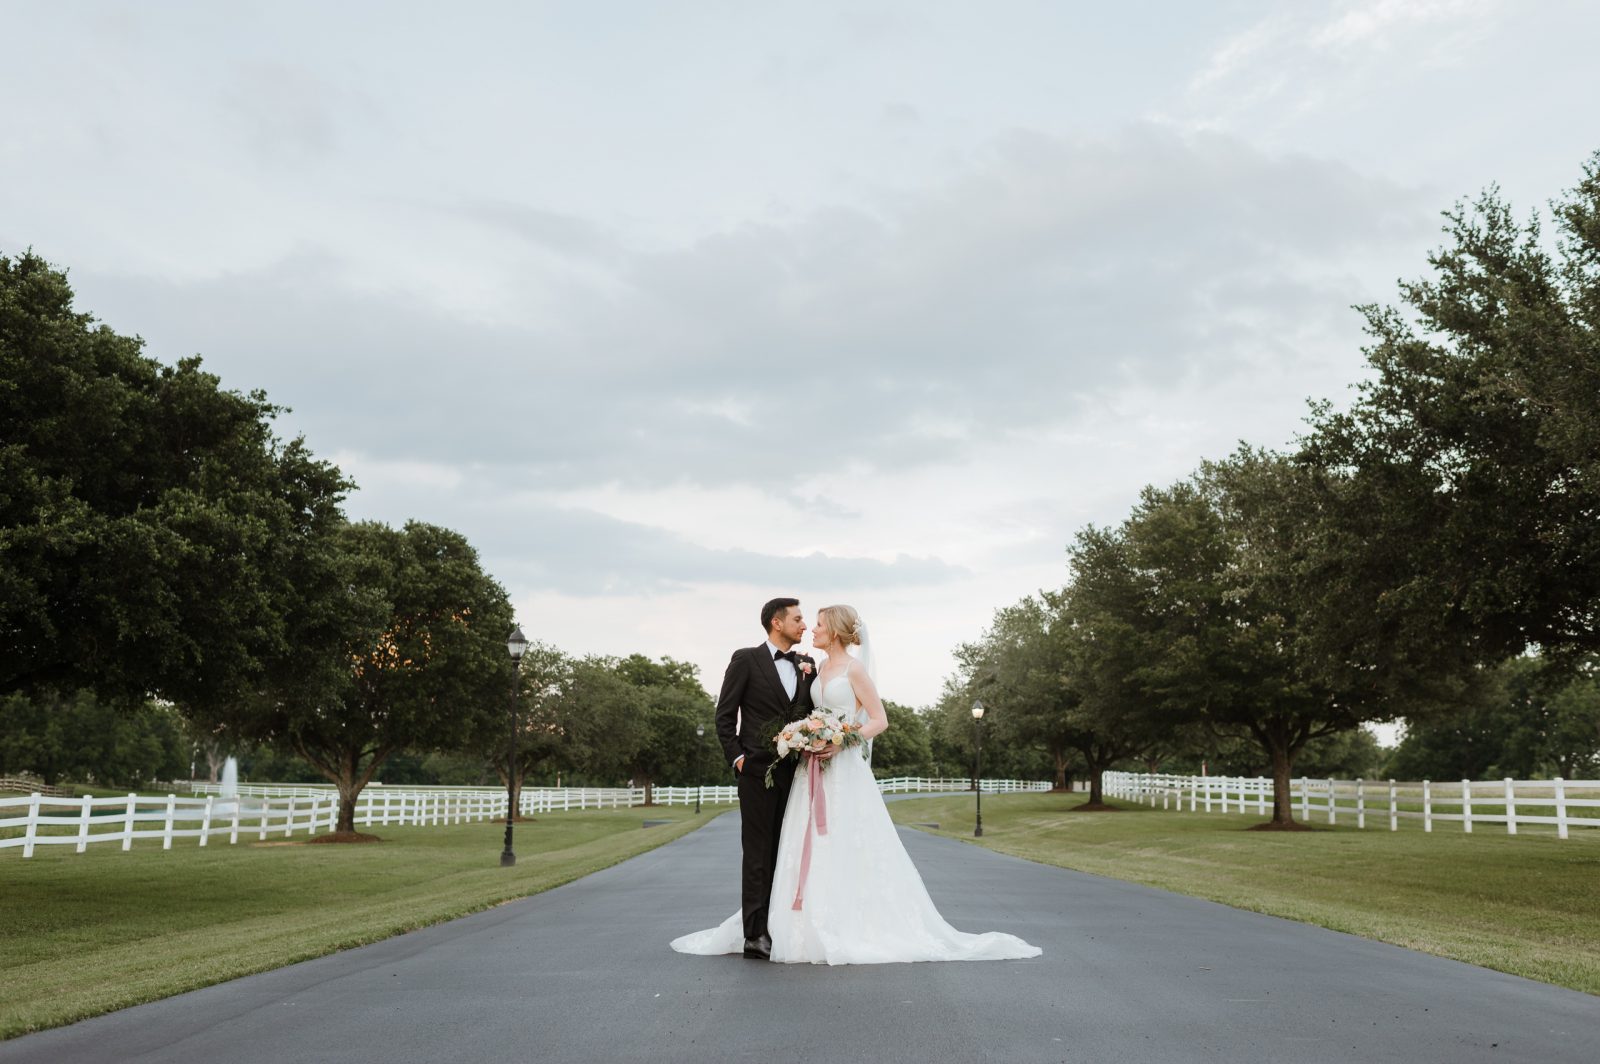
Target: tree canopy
<point>1464,483</point>
<point>401,640</point>
<point>146,512</point>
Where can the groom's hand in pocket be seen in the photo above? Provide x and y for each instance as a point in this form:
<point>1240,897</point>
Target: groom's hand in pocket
<point>738,765</point>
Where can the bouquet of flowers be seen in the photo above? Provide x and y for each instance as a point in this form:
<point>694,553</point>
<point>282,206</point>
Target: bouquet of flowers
<point>812,735</point>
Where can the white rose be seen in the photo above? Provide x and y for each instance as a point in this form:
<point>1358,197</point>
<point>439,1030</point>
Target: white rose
<point>783,748</point>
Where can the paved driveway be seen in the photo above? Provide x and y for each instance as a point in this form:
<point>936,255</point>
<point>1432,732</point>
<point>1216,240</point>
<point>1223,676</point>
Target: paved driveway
<point>583,973</point>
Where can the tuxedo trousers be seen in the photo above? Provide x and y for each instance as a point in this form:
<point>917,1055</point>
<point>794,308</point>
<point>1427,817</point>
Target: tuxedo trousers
<point>760,818</point>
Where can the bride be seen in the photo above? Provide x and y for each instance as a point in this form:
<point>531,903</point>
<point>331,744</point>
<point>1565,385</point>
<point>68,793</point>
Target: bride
<point>848,893</point>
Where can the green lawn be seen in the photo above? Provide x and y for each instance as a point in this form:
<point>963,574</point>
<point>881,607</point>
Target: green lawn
<point>82,934</point>
<point>1528,905</point>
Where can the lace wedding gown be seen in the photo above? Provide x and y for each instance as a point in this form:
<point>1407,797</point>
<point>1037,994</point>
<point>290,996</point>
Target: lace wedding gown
<point>863,900</point>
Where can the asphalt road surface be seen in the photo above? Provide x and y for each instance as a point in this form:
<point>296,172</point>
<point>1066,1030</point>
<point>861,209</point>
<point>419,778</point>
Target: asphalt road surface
<point>583,973</point>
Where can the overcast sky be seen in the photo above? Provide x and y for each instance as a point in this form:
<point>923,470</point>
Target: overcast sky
<point>672,308</point>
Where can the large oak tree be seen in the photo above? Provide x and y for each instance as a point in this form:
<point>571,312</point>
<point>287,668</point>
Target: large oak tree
<point>400,644</point>
<point>1464,483</point>
<point>148,517</point>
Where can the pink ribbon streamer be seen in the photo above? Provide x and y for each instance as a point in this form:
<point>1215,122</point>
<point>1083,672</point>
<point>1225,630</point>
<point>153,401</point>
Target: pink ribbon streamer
<point>817,814</point>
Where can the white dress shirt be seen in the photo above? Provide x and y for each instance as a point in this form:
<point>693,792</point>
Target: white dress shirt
<point>786,670</point>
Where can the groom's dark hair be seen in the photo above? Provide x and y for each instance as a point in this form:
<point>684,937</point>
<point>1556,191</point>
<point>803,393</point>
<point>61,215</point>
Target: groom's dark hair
<point>773,608</point>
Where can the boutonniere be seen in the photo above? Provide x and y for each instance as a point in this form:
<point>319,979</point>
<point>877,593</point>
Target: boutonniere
<point>804,665</point>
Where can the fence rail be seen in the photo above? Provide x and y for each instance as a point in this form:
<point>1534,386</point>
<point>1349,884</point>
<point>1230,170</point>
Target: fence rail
<point>1558,803</point>
<point>275,811</point>
<point>29,786</point>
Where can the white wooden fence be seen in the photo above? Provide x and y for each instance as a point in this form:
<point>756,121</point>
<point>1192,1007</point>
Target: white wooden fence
<point>262,812</point>
<point>1560,803</point>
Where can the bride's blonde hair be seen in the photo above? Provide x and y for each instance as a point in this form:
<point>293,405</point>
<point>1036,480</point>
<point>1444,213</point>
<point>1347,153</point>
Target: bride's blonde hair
<point>844,622</point>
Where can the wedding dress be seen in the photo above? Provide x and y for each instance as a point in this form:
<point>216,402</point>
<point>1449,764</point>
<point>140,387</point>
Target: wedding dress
<point>863,901</point>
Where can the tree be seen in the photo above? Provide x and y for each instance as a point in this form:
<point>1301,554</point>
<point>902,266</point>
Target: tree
<point>401,639</point>
<point>76,735</point>
<point>1346,755</point>
<point>1290,682</point>
<point>673,705</point>
<point>904,749</point>
<point>1115,631</point>
<point>950,730</point>
<point>1465,482</point>
<point>147,512</point>
<point>603,719</point>
<point>1025,672</point>
<point>544,676</point>
<point>1202,608</point>
<point>1532,719</point>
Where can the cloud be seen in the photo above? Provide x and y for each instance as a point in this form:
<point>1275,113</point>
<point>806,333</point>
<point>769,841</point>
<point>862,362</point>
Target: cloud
<point>558,546</point>
<point>1302,60</point>
<point>1055,273</point>
<point>561,234</point>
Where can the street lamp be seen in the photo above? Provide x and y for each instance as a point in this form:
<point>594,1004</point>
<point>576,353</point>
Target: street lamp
<point>699,765</point>
<point>516,645</point>
<point>977,765</point>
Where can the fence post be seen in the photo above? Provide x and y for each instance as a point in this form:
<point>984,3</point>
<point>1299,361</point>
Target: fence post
<point>205,821</point>
<point>1207,781</point>
<point>166,832</point>
<point>1331,802</point>
<point>1561,808</point>
<point>31,831</point>
<point>1511,807</point>
<point>1261,796</point>
<point>1466,806</point>
<point>1427,806</point>
<point>1394,815</point>
<point>288,821</point>
<point>127,822</point>
<point>1305,798</point>
<point>266,811</point>
<point>1361,803</point>
<point>83,823</point>
<point>233,824</point>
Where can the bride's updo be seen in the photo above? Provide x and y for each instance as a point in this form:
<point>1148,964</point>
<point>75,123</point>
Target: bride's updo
<point>844,622</point>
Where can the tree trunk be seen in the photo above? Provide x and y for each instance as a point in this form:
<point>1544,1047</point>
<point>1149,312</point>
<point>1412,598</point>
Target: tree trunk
<point>649,788</point>
<point>349,791</point>
<point>1096,793</point>
<point>214,761</point>
<point>514,786</point>
<point>343,768</point>
<point>1282,799</point>
<point>1063,783</point>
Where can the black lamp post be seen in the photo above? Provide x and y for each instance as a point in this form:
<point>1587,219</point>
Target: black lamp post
<point>977,766</point>
<point>517,645</point>
<point>699,765</point>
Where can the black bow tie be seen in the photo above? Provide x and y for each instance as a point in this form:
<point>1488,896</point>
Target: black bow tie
<point>788,655</point>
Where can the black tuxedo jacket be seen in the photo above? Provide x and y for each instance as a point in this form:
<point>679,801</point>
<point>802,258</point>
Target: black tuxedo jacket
<point>753,706</point>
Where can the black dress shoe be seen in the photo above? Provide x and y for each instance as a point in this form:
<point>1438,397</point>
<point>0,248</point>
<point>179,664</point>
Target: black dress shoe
<point>759,949</point>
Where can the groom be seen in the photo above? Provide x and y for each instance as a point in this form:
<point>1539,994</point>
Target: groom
<point>765,687</point>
